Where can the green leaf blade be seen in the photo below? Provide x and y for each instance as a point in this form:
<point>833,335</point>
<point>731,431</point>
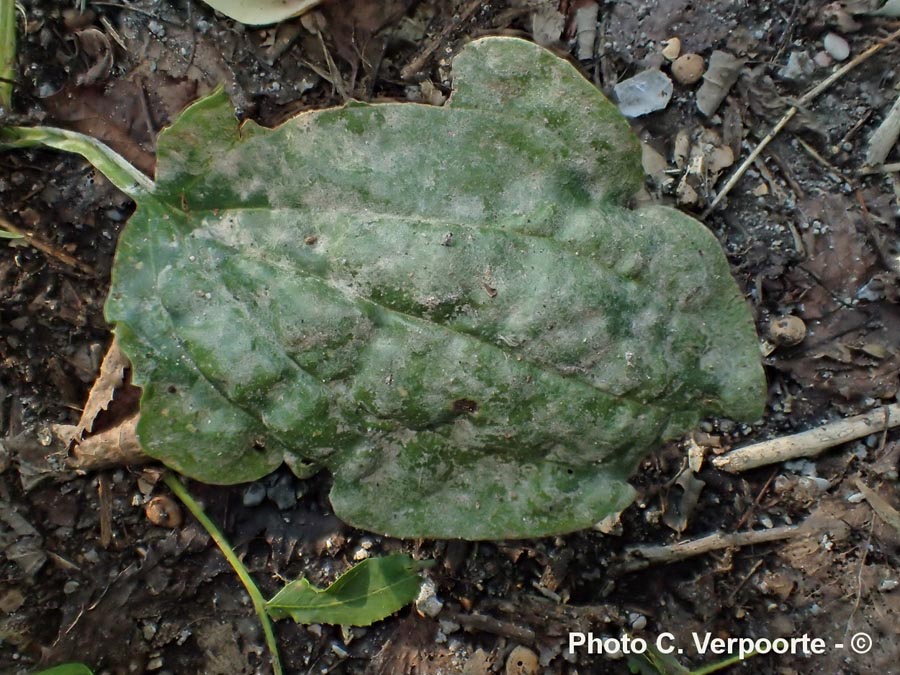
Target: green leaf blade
<point>368,592</point>
<point>67,669</point>
<point>450,308</point>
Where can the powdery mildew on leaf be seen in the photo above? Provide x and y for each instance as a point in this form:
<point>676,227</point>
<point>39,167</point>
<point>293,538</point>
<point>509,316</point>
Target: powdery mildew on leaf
<point>450,308</point>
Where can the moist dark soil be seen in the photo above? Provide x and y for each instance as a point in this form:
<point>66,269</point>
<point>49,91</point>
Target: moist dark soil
<point>85,576</point>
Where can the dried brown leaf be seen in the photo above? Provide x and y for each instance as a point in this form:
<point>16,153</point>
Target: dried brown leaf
<point>112,376</point>
<point>112,447</point>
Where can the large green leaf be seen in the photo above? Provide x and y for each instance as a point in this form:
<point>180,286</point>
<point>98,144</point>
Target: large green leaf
<point>368,592</point>
<point>449,308</point>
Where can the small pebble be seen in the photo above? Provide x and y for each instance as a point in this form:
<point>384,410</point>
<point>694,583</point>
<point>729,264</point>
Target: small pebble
<point>822,59</point>
<point>799,68</point>
<point>815,483</point>
<point>836,46</point>
<point>164,511</point>
<point>787,331</point>
<point>283,492</point>
<point>671,49</point>
<point>688,68</point>
<point>522,661</point>
<point>11,601</point>
<point>448,627</point>
<point>254,494</point>
<point>638,621</point>
<point>148,630</point>
<point>644,93</point>
<point>428,604</point>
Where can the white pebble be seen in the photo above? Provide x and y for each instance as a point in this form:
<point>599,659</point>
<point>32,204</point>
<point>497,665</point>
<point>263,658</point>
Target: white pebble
<point>644,93</point>
<point>836,46</point>
<point>822,59</point>
<point>428,604</point>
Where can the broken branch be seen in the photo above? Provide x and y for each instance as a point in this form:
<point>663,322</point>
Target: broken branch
<point>809,443</point>
<point>641,557</point>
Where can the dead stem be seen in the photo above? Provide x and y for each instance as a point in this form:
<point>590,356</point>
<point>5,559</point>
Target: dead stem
<point>809,443</point>
<point>641,557</point>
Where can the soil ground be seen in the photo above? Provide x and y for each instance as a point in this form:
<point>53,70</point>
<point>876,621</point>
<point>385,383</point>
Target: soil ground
<point>85,576</point>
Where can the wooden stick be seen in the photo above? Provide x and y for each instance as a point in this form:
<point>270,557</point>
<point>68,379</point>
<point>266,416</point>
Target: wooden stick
<point>641,557</point>
<point>489,624</point>
<point>793,110</point>
<point>885,136</point>
<point>809,443</point>
<point>883,168</point>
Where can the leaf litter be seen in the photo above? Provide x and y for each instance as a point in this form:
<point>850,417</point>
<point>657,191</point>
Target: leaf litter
<point>853,345</point>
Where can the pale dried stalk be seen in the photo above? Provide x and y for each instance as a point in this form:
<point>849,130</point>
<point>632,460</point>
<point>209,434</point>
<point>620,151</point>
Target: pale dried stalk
<point>641,557</point>
<point>809,443</point>
<point>885,136</point>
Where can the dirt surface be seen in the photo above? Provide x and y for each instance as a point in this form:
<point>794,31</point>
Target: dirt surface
<point>85,576</point>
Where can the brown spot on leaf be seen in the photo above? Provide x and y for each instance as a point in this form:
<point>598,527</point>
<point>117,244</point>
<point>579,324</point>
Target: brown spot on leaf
<point>463,406</point>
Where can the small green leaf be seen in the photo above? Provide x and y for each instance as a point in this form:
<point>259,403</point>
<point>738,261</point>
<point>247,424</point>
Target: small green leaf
<point>368,592</point>
<point>67,669</point>
<point>6,234</point>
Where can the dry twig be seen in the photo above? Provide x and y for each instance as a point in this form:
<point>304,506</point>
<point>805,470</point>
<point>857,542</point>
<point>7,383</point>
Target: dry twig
<point>809,443</point>
<point>641,557</point>
<point>885,137</point>
<point>884,168</point>
<point>411,69</point>
<point>489,624</point>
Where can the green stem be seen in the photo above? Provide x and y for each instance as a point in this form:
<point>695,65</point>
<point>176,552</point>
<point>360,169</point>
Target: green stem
<point>259,603</point>
<point>7,51</point>
<point>719,665</point>
<point>110,163</point>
